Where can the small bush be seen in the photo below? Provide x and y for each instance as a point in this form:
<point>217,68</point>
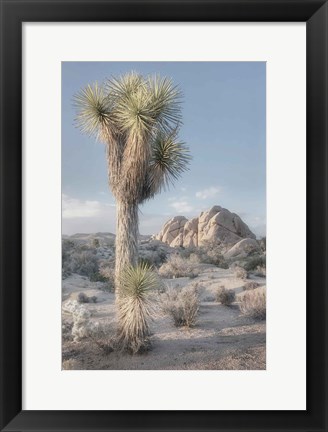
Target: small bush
<point>135,307</point>
<point>208,253</point>
<point>177,266</point>
<point>181,305</point>
<point>67,330</point>
<point>83,298</point>
<point>81,320</point>
<point>108,274</point>
<point>250,285</point>
<point>254,261</point>
<point>240,273</point>
<point>102,335</point>
<point>225,296</point>
<point>260,271</point>
<point>153,253</point>
<point>253,303</point>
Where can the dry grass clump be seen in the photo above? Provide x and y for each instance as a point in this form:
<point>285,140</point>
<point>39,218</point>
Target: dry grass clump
<point>209,253</point>
<point>107,272</point>
<point>225,296</point>
<point>177,266</point>
<point>240,273</point>
<point>103,336</point>
<point>135,308</point>
<point>253,303</point>
<point>250,285</point>
<point>181,305</point>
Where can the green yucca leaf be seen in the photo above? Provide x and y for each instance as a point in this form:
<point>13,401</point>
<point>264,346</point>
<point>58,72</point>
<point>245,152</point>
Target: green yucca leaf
<point>136,306</point>
<point>165,101</point>
<point>136,282</point>
<point>92,108</point>
<point>170,159</point>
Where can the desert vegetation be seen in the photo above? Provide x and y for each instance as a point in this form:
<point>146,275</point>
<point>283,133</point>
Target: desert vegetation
<point>137,118</point>
<point>225,296</point>
<point>178,266</point>
<point>253,303</point>
<point>171,301</point>
<point>181,305</point>
<point>187,297</point>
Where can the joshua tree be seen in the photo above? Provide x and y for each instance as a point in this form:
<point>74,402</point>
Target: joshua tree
<point>137,118</point>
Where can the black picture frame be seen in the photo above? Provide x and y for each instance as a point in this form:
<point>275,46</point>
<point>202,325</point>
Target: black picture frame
<point>13,14</point>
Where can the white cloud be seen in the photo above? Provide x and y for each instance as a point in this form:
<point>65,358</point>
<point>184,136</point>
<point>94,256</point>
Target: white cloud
<point>181,206</point>
<point>87,216</point>
<point>74,208</point>
<point>210,192</point>
<point>91,216</point>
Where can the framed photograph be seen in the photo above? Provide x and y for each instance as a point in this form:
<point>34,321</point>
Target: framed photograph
<point>164,215</point>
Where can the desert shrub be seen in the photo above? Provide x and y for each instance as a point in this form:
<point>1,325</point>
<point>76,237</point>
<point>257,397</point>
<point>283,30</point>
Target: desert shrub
<point>254,261</point>
<point>212,254</point>
<point>240,272</point>
<point>153,253</point>
<point>250,285</point>
<point>225,296</point>
<point>260,271</point>
<point>107,272</point>
<point>80,259</point>
<point>67,330</point>
<point>208,253</point>
<point>83,298</point>
<point>135,308</point>
<point>262,243</point>
<point>70,364</point>
<point>81,320</point>
<point>67,249</point>
<point>181,305</point>
<point>84,263</point>
<point>177,266</point>
<point>97,277</point>
<point>103,336</point>
<point>253,303</point>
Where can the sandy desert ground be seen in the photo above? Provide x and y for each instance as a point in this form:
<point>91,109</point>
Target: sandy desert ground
<point>222,338</point>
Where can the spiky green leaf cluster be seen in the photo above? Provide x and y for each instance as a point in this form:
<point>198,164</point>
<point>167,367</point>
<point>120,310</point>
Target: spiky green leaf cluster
<point>138,118</point>
<point>136,306</point>
<point>170,159</point>
<point>93,112</point>
<point>138,281</point>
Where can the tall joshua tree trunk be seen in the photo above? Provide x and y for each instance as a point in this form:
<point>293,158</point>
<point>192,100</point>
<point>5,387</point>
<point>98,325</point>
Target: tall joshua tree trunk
<point>127,220</point>
<point>138,119</point>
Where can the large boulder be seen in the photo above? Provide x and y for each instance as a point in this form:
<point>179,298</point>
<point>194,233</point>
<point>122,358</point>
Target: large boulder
<point>220,224</point>
<point>243,248</point>
<point>171,229</point>
<point>215,225</point>
<point>190,233</point>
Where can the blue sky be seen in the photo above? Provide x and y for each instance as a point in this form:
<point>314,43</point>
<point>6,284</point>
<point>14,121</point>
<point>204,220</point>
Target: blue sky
<point>223,124</point>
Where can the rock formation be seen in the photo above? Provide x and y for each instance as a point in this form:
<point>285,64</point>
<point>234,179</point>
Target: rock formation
<point>243,248</point>
<point>215,225</point>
